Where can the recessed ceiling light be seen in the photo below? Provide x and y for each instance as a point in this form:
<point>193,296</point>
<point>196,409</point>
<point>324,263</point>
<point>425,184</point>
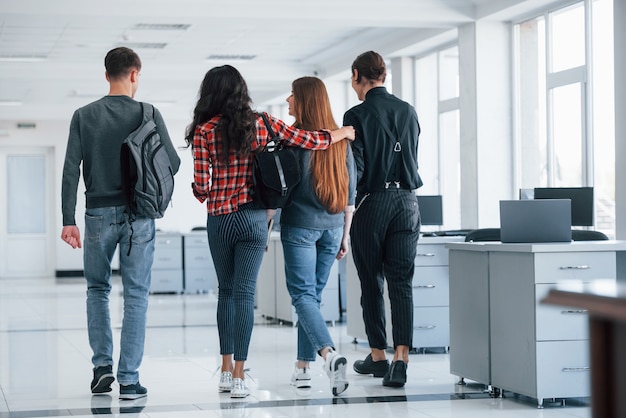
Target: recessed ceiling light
<point>161,26</point>
<point>144,45</point>
<point>22,58</point>
<point>11,103</point>
<point>230,57</point>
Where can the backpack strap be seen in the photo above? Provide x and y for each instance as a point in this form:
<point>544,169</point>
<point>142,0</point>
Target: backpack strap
<point>273,147</point>
<point>274,139</point>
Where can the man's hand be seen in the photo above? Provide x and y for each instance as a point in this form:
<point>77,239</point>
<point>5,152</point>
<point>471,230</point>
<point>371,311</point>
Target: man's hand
<point>71,235</point>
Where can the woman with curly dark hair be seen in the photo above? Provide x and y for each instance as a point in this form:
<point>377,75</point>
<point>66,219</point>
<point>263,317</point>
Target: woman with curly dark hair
<point>223,135</point>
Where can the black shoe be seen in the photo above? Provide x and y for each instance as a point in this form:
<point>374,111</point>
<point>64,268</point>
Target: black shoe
<point>102,379</point>
<point>130,392</point>
<point>396,376</point>
<point>369,366</point>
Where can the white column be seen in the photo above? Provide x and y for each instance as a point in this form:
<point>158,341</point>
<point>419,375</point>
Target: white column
<point>486,121</point>
<point>403,80</point>
<point>619,33</point>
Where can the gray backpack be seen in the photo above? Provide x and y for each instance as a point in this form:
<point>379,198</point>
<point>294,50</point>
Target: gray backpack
<point>146,169</point>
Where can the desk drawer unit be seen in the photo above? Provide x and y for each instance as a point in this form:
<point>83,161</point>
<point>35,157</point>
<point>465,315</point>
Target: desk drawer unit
<point>562,369</point>
<point>200,275</point>
<point>554,323</point>
<point>167,267</point>
<point>431,327</point>
<point>431,286</point>
<point>431,255</point>
<point>556,267</point>
<point>541,350</point>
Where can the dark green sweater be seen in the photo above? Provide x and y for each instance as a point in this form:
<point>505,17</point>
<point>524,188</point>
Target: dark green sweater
<point>96,134</point>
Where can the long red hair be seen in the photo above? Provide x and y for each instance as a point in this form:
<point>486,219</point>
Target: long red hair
<point>329,173</point>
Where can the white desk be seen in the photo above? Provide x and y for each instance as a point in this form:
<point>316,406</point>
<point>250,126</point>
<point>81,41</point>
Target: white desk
<point>431,325</point>
<point>502,336</point>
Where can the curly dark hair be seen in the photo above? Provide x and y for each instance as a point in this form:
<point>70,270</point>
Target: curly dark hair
<point>224,92</point>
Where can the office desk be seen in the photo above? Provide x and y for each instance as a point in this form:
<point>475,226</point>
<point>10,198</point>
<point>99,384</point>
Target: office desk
<point>606,307</point>
<point>501,335</point>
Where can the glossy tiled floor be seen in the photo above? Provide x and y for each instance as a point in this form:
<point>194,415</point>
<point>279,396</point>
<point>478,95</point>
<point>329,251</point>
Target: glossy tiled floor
<point>45,367</point>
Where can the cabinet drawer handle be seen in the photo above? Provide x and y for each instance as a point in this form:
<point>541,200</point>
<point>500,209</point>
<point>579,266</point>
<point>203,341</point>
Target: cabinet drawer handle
<point>576,369</point>
<point>425,254</point>
<point>575,311</point>
<point>425,286</point>
<point>583,267</point>
<point>426,327</point>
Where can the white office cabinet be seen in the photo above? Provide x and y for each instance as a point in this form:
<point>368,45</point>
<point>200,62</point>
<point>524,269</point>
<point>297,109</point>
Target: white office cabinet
<point>266,280</point>
<point>549,343</point>
<point>200,275</point>
<point>167,268</point>
<point>501,333</point>
<point>431,325</point>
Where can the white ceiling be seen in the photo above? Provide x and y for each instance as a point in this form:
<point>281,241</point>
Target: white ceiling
<point>52,51</point>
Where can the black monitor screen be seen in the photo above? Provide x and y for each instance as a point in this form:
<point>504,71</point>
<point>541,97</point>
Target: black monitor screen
<point>431,210</point>
<point>581,197</point>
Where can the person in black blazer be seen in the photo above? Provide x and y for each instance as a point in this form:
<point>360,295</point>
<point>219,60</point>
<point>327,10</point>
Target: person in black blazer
<point>386,223</point>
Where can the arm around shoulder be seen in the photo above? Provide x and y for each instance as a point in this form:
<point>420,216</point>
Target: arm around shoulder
<point>345,132</point>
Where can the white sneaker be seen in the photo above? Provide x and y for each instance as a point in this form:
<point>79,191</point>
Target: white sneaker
<point>335,367</point>
<point>301,378</point>
<point>226,382</point>
<point>239,389</point>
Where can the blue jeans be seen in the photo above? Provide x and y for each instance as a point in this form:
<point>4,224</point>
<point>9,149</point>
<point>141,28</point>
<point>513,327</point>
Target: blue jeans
<point>104,229</point>
<point>309,256</point>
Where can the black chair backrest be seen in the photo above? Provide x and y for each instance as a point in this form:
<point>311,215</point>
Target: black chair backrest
<point>588,235</point>
<point>483,234</point>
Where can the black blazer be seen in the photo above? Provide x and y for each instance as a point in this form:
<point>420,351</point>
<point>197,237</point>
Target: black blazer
<point>376,161</point>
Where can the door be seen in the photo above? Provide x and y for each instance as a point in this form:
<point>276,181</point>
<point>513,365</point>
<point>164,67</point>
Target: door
<point>26,216</point>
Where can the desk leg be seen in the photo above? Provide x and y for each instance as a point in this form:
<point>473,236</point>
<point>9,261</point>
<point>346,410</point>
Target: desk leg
<point>604,374</point>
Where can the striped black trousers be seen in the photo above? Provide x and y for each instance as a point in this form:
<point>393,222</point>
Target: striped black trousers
<point>237,242</point>
<point>383,236</point>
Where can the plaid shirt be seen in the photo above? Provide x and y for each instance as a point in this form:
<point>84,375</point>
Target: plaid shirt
<point>225,187</point>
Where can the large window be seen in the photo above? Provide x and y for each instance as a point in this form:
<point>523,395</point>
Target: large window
<point>564,103</point>
<point>437,105</point>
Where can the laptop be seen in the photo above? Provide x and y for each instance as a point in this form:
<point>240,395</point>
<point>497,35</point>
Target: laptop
<point>544,220</point>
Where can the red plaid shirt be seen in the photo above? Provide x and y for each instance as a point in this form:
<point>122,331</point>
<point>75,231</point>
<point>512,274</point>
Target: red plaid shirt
<point>227,186</point>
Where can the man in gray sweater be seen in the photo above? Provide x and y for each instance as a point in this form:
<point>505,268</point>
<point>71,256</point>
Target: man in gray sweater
<point>97,132</point>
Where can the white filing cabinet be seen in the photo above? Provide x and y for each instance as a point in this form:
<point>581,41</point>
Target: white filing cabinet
<point>506,337</point>
<point>200,275</point>
<point>550,343</point>
<point>266,280</point>
<point>431,317</point>
<point>167,268</point>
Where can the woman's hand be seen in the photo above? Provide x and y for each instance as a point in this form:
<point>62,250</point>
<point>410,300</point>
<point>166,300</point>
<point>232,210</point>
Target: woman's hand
<point>346,132</point>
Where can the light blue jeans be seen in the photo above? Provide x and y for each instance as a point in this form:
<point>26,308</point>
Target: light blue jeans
<point>309,256</point>
<point>105,228</point>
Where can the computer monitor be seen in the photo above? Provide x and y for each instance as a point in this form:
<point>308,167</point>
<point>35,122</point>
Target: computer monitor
<point>581,197</point>
<point>431,209</point>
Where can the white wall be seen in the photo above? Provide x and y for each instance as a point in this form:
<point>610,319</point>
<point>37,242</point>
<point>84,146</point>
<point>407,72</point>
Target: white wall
<point>185,213</point>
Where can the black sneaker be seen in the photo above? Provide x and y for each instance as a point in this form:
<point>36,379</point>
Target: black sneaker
<point>396,376</point>
<point>102,379</point>
<point>134,391</point>
<point>369,366</point>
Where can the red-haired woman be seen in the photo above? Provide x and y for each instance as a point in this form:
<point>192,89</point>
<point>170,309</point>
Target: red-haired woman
<point>315,230</point>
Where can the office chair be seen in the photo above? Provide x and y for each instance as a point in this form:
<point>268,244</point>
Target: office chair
<point>588,235</point>
<point>483,234</point>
